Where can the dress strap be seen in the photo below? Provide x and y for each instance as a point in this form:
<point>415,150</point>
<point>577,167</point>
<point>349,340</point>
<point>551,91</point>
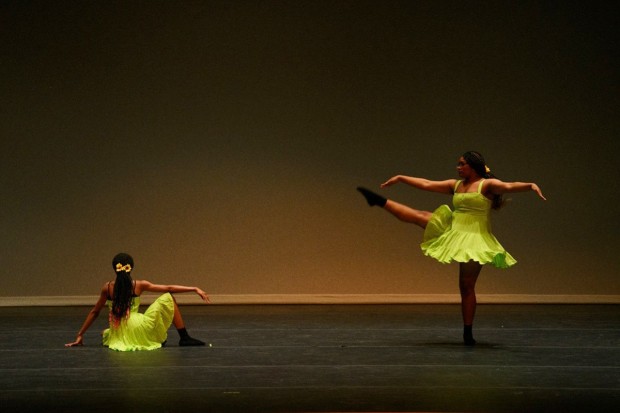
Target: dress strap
<point>480,186</point>
<point>456,185</point>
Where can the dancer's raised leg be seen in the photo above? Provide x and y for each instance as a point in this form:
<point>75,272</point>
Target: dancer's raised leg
<point>408,214</point>
<point>400,211</point>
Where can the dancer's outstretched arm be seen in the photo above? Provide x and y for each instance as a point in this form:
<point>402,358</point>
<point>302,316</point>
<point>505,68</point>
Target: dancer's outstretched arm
<point>445,187</point>
<point>495,186</point>
<point>143,285</point>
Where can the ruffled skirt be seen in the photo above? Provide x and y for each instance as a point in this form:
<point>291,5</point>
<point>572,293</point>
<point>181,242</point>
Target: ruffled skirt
<point>463,237</point>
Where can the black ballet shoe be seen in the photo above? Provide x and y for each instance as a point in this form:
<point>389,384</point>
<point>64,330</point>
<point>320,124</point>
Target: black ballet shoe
<point>468,336</point>
<point>469,341</point>
<point>372,198</point>
<point>189,341</point>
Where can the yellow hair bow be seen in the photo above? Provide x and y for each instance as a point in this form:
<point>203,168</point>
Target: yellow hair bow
<point>487,169</point>
<point>120,267</point>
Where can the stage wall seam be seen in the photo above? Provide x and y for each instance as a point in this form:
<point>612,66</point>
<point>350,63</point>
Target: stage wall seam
<point>244,299</point>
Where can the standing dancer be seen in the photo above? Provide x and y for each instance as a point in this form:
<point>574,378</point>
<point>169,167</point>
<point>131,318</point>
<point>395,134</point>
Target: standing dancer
<point>130,330</point>
<point>463,235</point>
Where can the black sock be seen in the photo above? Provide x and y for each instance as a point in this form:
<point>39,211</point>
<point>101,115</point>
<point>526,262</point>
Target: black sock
<point>372,198</point>
<point>183,332</point>
<point>468,336</point>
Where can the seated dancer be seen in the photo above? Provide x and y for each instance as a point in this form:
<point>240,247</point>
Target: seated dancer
<point>129,329</point>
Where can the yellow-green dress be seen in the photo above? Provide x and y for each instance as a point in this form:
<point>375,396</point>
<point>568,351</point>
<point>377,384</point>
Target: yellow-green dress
<point>141,331</point>
<point>465,234</point>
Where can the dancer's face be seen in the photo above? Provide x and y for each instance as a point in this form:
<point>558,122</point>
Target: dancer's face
<point>463,168</point>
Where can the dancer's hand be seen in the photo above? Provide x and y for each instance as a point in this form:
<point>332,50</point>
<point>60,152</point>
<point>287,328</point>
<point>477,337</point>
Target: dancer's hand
<point>78,342</point>
<point>203,295</point>
<point>393,180</point>
<point>536,189</point>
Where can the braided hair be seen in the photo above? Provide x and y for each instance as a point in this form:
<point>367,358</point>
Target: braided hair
<point>476,161</point>
<point>123,288</point>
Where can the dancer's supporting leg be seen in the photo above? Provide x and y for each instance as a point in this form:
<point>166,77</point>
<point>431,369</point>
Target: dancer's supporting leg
<point>179,324</point>
<point>468,275</point>
<point>400,211</point>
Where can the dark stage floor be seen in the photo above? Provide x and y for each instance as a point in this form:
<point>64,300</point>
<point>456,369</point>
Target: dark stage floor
<point>530,358</point>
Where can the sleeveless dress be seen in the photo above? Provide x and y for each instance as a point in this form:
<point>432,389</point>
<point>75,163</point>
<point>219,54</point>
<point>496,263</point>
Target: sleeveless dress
<point>141,331</point>
<point>465,234</point>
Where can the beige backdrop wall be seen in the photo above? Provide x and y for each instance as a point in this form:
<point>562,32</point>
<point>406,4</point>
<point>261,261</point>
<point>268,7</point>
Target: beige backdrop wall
<point>220,143</point>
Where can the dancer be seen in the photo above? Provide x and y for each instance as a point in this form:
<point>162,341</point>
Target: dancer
<point>463,235</point>
<point>130,330</point>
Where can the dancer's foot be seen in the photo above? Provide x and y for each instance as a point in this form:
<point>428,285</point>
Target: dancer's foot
<point>189,341</point>
<point>186,340</point>
<point>468,336</point>
<point>372,198</point>
<point>469,341</point>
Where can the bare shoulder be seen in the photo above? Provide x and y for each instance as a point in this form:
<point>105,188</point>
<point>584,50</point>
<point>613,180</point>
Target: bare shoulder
<point>446,186</point>
<point>106,286</point>
<point>491,185</point>
<point>141,285</point>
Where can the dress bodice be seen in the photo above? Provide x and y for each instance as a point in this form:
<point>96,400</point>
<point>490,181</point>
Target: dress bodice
<point>472,203</point>
<point>135,304</point>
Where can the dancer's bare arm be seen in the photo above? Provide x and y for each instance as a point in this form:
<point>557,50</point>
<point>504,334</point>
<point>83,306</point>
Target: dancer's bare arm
<point>143,285</point>
<point>91,317</point>
<point>495,186</point>
<point>445,187</point>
